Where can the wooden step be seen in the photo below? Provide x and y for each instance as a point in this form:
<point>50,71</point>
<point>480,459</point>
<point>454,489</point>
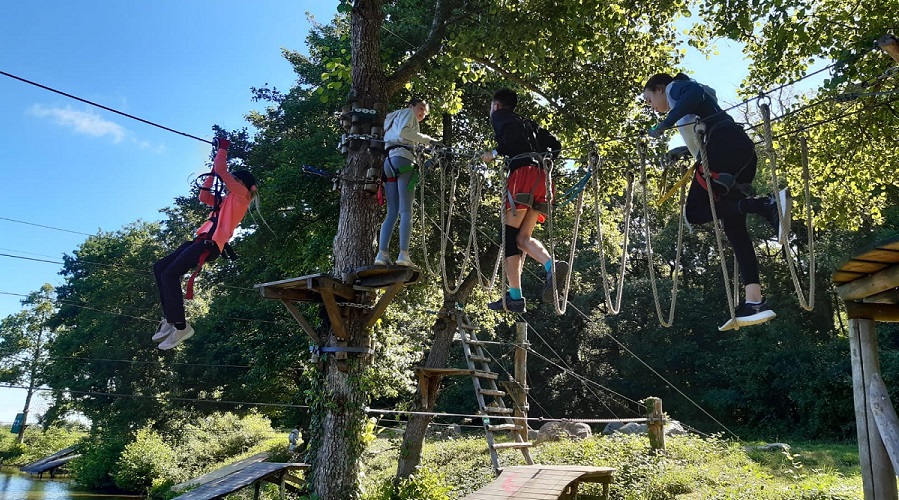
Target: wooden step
<point>475,342</point>
<point>503,427</point>
<point>496,409</point>
<point>487,375</point>
<point>500,446</point>
<point>493,392</point>
<point>477,359</point>
<point>467,326</point>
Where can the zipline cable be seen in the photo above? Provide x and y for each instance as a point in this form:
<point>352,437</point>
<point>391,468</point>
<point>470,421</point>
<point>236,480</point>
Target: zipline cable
<point>111,110</point>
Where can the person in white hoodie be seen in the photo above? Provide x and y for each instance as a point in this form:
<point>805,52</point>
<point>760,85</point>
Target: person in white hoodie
<point>401,134</point>
<point>732,162</point>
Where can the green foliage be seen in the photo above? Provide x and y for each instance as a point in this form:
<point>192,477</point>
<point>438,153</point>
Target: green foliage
<point>690,468</point>
<point>425,484</point>
<point>95,468</point>
<point>145,461</point>
<point>208,442</point>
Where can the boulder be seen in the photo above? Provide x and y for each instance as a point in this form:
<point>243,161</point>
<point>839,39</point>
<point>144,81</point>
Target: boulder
<point>672,428</point>
<point>555,431</point>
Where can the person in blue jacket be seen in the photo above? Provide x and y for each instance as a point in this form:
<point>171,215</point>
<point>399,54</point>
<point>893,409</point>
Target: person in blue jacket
<point>732,163</point>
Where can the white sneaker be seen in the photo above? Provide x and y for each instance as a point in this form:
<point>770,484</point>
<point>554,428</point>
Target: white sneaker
<point>176,337</point>
<point>382,259</point>
<point>165,329</point>
<point>404,260</point>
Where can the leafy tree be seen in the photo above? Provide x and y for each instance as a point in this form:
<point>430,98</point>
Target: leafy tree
<point>23,345</point>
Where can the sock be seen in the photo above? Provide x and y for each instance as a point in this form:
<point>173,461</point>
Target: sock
<point>515,293</point>
<point>549,265</point>
<point>181,326</point>
<point>753,303</point>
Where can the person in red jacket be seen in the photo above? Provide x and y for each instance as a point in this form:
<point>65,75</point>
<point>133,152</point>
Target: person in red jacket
<point>209,243</point>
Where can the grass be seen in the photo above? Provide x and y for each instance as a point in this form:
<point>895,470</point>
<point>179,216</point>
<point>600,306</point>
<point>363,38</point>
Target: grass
<point>691,468</point>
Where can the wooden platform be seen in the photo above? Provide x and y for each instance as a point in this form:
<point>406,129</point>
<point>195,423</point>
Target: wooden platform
<point>867,282</point>
<point>220,473</point>
<point>543,482</point>
<point>262,471</point>
<point>51,462</point>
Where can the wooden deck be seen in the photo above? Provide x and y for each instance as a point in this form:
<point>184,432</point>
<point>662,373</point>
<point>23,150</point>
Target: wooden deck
<point>253,473</point>
<point>543,482</point>
<point>221,472</point>
<point>867,282</point>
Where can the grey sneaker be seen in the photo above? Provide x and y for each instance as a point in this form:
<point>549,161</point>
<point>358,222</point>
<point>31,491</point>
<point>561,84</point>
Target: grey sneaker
<point>165,329</point>
<point>176,337</point>
<point>559,278</point>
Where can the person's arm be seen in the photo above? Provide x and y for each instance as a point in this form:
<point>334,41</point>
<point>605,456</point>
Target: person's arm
<point>220,166</point>
<point>206,195</point>
<point>689,95</point>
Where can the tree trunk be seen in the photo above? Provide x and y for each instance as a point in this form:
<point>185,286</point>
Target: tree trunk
<point>32,376</point>
<point>337,448</point>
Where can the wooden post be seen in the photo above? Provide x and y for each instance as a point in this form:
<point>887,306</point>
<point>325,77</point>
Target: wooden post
<point>885,416</point>
<point>889,45</point>
<point>655,425</point>
<point>520,393</point>
<point>878,476</point>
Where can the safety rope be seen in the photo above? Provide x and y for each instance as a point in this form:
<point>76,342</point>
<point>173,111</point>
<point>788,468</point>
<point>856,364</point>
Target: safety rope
<point>806,303</point>
<point>560,299</point>
<point>641,149</point>
<point>731,295</point>
<point>629,199</point>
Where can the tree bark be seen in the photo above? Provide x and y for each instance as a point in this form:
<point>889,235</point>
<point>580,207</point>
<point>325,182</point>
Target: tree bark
<point>338,450</point>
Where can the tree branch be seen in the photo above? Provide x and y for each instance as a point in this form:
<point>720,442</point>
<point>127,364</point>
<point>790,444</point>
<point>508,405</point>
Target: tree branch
<point>528,85</point>
<point>429,48</point>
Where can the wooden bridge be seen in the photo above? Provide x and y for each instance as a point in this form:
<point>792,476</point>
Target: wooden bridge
<point>242,476</point>
<point>51,463</point>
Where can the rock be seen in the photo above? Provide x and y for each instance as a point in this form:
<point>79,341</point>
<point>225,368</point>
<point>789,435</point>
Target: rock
<point>555,431</point>
<point>674,428</point>
<point>611,427</point>
<point>633,428</point>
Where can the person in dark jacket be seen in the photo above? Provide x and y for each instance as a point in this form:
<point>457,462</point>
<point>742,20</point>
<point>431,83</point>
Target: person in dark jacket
<point>523,143</point>
<point>732,162</point>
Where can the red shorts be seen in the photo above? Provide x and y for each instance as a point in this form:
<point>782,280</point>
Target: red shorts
<point>529,179</point>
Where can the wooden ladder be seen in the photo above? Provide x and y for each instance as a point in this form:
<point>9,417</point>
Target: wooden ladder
<point>490,398</point>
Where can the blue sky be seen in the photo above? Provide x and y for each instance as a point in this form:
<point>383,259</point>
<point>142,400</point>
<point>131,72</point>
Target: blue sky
<point>184,65</point>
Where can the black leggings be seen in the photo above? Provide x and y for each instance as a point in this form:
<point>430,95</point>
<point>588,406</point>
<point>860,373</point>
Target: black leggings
<point>171,268</point>
<point>731,151</point>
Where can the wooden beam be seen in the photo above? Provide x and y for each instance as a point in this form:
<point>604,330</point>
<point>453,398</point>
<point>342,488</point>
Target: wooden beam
<point>885,417</point>
<point>878,312</point>
<point>383,302</point>
<point>333,314</point>
<point>297,294</point>
<point>335,287</point>
<point>297,315</point>
<point>887,297</point>
<point>870,285</point>
<point>889,45</point>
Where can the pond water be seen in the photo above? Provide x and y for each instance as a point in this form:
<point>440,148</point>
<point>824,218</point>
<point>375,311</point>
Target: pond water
<point>15,485</point>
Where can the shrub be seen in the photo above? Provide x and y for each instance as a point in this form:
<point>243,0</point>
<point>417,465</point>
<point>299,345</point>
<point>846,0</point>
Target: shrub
<point>95,466</point>
<point>143,461</point>
<point>425,484</point>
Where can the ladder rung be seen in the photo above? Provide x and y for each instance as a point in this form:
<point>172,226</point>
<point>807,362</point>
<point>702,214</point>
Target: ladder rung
<point>466,326</point>
<point>504,427</point>
<point>493,392</point>
<point>477,358</point>
<point>490,375</point>
<point>496,409</point>
<point>474,342</point>
<point>500,446</point>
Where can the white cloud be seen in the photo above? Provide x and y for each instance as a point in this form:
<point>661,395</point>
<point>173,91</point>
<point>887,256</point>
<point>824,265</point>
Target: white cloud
<point>81,122</point>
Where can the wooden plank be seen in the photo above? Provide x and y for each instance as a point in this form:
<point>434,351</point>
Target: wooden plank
<point>863,266</point>
<point>289,294</point>
<point>885,417</point>
<point>875,311</point>
<point>442,372</point>
<point>297,315</point>
<point>383,302</point>
<point>841,277</point>
<point>301,282</point>
<point>334,286</point>
<point>541,482</point>
<point>333,314</point>
<point>870,285</point>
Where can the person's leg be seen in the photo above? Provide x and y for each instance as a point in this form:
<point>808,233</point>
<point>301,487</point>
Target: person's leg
<point>158,269</point>
<point>390,192</point>
<point>170,279</point>
<point>511,300</point>
<point>754,310</point>
<point>405,208</point>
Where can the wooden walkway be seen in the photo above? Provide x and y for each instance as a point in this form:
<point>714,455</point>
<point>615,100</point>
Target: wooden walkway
<point>221,472</point>
<point>50,463</point>
<point>276,473</point>
<point>543,482</point>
